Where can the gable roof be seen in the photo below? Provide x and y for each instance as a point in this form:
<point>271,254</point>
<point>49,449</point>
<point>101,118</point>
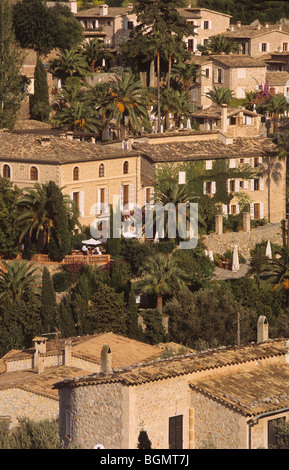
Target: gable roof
<point>277,78</point>
<point>215,112</point>
<point>252,31</point>
<point>95,12</point>
<point>238,60</point>
<point>208,149</point>
<point>197,13</point>
<point>261,389</point>
<point>216,359</point>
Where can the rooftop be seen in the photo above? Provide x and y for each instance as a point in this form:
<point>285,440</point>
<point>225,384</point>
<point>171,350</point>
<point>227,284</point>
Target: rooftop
<point>215,112</point>
<point>238,60</point>
<point>277,78</point>
<point>253,30</point>
<point>207,149</point>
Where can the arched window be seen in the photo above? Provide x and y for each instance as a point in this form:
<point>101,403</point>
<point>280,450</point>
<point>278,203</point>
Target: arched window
<point>75,173</point>
<point>125,168</point>
<point>101,170</point>
<point>6,171</point>
<point>33,173</point>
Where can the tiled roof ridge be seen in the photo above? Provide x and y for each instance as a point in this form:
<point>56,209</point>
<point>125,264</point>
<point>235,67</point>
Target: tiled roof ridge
<point>118,375</point>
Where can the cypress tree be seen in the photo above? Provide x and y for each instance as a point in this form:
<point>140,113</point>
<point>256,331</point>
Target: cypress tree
<point>11,59</point>
<point>48,302</point>
<point>133,329</point>
<point>41,106</point>
<point>66,321</point>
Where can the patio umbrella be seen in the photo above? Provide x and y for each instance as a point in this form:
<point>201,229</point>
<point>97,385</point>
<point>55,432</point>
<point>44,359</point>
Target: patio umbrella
<point>91,242</point>
<point>235,262</point>
<point>129,235</point>
<point>268,250</point>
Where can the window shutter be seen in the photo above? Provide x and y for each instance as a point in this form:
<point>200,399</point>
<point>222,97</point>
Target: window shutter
<point>252,211</point>
<point>261,210</point>
<point>230,209</point>
<point>195,45</point>
<point>228,186</point>
<point>151,201</point>
<point>237,186</point>
<point>260,47</point>
<point>144,196</point>
<point>213,187</point>
<point>245,184</point>
<point>215,76</point>
<point>210,25</point>
<point>252,185</point>
<point>176,432</point>
<point>261,180</point>
<point>237,209</point>
<point>268,46</point>
<point>98,201</point>
<point>202,25</point>
<point>209,164</point>
<point>252,163</point>
<point>107,199</point>
<point>131,196</point>
<point>222,75</point>
<point>81,203</point>
<point>121,198</point>
<point>182,177</point>
<point>260,161</point>
<point>232,163</point>
<point>204,188</point>
<point>247,161</point>
<point>225,209</point>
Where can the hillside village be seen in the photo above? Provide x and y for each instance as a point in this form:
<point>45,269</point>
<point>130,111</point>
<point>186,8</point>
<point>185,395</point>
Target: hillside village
<point>144,234</point>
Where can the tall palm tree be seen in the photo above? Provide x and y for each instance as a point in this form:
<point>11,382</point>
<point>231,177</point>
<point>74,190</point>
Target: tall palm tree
<point>17,279</point>
<point>69,63</point>
<point>220,95</point>
<point>184,73</point>
<point>78,116</point>
<point>218,44</point>
<point>276,106</point>
<point>34,215</point>
<point>160,276</point>
<point>278,270</point>
<point>94,53</point>
<point>128,97</point>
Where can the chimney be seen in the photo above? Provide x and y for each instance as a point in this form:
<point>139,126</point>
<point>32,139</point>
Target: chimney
<point>40,348</point>
<point>106,359</point>
<point>103,10</point>
<point>232,27</point>
<point>280,27</point>
<point>258,27</point>
<point>69,135</point>
<point>40,365</point>
<point>224,117</point>
<point>239,24</point>
<point>262,329</point>
<point>45,140</point>
<point>67,352</point>
<point>266,25</point>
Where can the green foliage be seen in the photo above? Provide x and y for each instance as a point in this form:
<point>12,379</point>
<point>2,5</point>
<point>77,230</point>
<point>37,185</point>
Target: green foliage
<point>30,434</point>
<point>17,280</point>
<point>66,320</point>
<point>41,106</point>
<point>135,253</point>
<point>11,60</point>
<point>9,231</point>
<point>61,281</point>
<point>48,303</point>
<point>219,44</point>
<point>155,332</point>
<point>197,267</point>
<point>42,28</point>
<point>220,95</point>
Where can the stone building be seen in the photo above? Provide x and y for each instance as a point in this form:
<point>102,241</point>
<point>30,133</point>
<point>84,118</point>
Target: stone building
<point>225,398</point>
<point>27,377</point>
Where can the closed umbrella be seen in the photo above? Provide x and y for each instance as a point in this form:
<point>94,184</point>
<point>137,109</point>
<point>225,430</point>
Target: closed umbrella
<point>235,262</point>
<point>268,250</point>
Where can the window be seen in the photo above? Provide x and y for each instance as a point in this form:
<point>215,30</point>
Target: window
<point>76,200</point>
<point>264,47</point>
<point>176,432</point>
<point>242,184</point>
<point>220,76</point>
<point>206,24</point>
<point>101,170</point>
<point>243,48</point>
<point>247,120</point>
<point>130,25</point>
<point>256,162</point>
<point>256,184</point>
<point>190,44</point>
<point>6,171</point>
<point>191,22</point>
<point>75,173</point>
<point>273,425</point>
<point>33,173</point>
<point>209,187</point>
<point>125,194</point>
<point>232,186</point>
<point>148,195</point>
<point>233,208</point>
<point>125,168</point>
<point>207,72</point>
<point>285,46</point>
<point>241,73</point>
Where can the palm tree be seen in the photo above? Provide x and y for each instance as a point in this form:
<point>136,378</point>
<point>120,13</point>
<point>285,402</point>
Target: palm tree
<point>17,279</point>
<point>278,270</point>
<point>69,63</point>
<point>34,215</point>
<point>218,44</point>
<point>94,53</point>
<point>184,73</point>
<point>276,106</point>
<point>161,276</point>
<point>78,116</point>
<point>258,264</point>
<point>220,95</point>
<point>128,98</point>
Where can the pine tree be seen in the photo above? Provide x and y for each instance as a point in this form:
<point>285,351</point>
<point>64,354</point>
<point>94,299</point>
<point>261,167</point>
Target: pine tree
<point>41,106</point>
<point>48,302</point>
<point>11,59</point>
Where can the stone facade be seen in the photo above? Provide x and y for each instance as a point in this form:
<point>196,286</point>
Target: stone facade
<point>15,403</point>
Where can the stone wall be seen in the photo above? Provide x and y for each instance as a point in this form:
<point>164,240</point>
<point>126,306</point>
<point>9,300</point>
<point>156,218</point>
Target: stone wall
<point>15,403</point>
<point>246,241</point>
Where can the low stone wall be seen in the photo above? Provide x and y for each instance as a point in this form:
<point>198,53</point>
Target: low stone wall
<point>246,241</point>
